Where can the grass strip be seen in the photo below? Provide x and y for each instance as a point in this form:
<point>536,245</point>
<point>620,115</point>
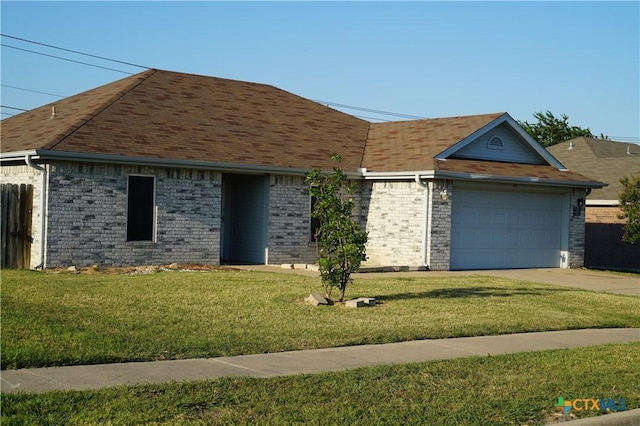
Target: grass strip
<point>517,389</point>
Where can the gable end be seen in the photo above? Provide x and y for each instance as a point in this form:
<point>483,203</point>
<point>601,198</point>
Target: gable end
<point>499,144</point>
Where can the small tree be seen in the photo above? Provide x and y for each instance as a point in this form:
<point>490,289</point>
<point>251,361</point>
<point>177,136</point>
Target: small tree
<point>341,242</point>
<point>630,206</point>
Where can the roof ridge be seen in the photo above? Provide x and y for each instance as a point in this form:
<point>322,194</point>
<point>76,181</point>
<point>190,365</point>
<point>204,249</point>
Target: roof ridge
<point>453,117</point>
<point>90,116</point>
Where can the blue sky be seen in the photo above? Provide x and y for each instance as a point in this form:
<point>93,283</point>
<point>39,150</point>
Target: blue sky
<point>427,59</point>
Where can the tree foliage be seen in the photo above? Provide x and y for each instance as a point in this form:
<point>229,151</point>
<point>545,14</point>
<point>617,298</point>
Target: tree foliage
<point>551,130</point>
<point>341,242</point>
<point>630,206</point>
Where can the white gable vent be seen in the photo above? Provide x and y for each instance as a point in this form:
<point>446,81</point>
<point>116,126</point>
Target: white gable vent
<point>495,143</point>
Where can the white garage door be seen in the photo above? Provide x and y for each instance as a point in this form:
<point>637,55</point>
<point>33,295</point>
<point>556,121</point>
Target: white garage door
<point>497,230</point>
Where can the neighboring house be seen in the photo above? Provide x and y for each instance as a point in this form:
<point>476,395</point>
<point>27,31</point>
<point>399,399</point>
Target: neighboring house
<point>165,167</point>
<point>605,161</point>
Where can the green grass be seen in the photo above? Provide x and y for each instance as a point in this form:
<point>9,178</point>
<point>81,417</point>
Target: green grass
<point>518,389</point>
<point>65,319</point>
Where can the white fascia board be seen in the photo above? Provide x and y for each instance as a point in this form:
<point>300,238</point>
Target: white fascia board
<point>16,155</point>
<point>406,175</point>
<point>602,203</point>
<point>477,177</point>
<point>43,155</point>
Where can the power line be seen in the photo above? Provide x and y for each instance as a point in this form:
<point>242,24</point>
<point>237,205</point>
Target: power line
<point>10,107</point>
<point>335,104</point>
<point>73,51</point>
<point>7,113</point>
<point>339,105</point>
<point>34,91</point>
<point>624,138</point>
<point>65,59</point>
<point>375,111</point>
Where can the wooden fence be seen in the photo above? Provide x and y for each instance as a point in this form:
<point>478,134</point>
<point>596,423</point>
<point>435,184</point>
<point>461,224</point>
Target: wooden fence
<point>15,222</point>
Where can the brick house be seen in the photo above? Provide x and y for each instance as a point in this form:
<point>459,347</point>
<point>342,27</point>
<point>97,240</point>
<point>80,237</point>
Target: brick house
<point>165,167</point>
<point>606,161</point>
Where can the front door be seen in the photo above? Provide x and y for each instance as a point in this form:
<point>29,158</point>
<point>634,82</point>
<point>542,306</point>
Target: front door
<point>244,219</point>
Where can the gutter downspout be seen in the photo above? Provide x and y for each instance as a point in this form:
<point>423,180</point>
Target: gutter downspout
<point>27,159</point>
<point>426,230</point>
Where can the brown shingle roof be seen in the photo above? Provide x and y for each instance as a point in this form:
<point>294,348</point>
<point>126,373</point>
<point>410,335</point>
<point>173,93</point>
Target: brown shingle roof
<point>602,160</point>
<point>168,115</point>
<point>411,145</point>
<point>183,117</point>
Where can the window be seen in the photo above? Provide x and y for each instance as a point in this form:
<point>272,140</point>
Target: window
<point>315,223</point>
<point>141,208</point>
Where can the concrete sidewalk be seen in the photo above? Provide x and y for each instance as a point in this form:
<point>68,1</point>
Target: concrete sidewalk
<point>297,362</point>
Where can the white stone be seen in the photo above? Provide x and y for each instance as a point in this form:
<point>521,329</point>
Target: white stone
<point>355,303</point>
<point>316,299</point>
<point>369,301</point>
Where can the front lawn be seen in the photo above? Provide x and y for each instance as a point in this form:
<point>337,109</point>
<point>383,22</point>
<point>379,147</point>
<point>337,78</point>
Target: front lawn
<point>518,389</point>
<point>64,319</point>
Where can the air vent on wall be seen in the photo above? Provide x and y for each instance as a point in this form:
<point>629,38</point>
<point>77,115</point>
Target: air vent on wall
<point>495,143</point>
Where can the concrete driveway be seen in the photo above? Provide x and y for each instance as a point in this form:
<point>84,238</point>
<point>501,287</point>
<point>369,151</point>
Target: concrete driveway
<point>588,279</point>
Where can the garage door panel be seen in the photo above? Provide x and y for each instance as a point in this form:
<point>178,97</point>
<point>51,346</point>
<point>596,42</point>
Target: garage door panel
<point>492,229</point>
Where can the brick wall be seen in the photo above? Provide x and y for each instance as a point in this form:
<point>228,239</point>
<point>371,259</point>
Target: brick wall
<point>603,214</point>
<point>576,229</point>
<point>29,176</point>
<point>393,214</point>
<point>440,250</point>
<point>288,229</point>
<point>87,216</point>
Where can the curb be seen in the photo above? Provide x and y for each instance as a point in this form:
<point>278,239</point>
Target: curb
<point>621,418</point>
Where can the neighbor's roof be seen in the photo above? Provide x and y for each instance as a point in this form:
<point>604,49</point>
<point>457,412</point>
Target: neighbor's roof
<point>170,118</point>
<point>600,159</point>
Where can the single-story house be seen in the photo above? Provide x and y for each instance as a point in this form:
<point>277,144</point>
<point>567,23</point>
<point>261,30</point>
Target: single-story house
<point>605,161</point>
<point>165,167</point>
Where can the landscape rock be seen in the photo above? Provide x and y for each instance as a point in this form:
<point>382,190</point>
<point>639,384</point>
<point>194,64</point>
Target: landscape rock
<point>355,303</point>
<point>72,269</point>
<point>173,266</point>
<point>361,302</point>
<point>316,299</point>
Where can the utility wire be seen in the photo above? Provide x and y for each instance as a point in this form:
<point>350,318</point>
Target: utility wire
<point>335,104</point>
<point>624,138</point>
<point>375,111</point>
<point>65,59</point>
<point>395,114</point>
<point>19,109</point>
<point>73,51</point>
<point>34,91</point>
